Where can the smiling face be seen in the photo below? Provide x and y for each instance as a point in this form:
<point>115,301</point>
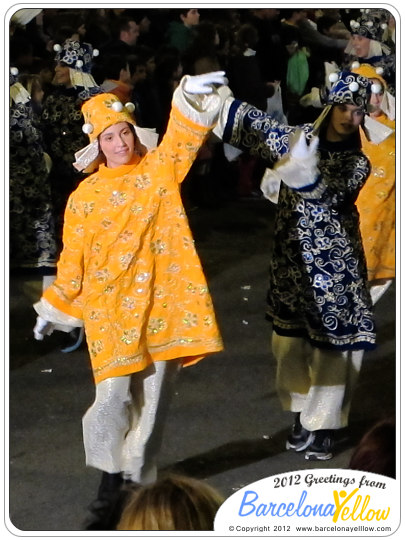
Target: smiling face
<point>117,143</point>
<point>344,121</point>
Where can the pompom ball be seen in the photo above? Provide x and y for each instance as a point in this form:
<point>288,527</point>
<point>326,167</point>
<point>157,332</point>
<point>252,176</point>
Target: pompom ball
<point>353,86</point>
<point>376,88</point>
<point>87,128</point>
<point>117,106</point>
<point>130,107</point>
<point>333,77</point>
<point>57,47</point>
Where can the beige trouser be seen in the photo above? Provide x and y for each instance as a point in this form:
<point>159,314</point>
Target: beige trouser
<point>318,383</point>
<point>122,430</point>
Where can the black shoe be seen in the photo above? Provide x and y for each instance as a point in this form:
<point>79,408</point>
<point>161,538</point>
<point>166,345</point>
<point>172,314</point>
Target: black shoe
<point>105,510</point>
<point>321,446</point>
<point>299,438</point>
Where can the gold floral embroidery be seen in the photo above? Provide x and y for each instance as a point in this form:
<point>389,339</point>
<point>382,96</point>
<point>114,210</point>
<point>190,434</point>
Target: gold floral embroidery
<point>130,336</point>
<point>156,325</point>
<point>158,247</point>
<point>118,198</point>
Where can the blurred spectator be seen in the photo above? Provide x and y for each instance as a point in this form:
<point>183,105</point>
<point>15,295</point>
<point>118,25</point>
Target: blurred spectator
<point>270,52</point>
<point>174,503</point>
<point>181,29</point>
<point>168,73</point>
<point>145,92</point>
<point>201,55</point>
<point>98,27</point>
<point>124,36</point>
<point>376,451</point>
<point>116,76</point>
<point>297,75</point>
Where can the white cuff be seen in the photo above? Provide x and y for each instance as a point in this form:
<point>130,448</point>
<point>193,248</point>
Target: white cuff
<point>202,109</point>
<point>227,99</point>
<point>50,313</point>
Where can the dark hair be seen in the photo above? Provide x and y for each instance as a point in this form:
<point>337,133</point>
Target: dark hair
<point>289,12</point>
<point>376,450</point>
<point>246,36</point>
<point>135,60</point>
<point>324,23</point>
<point>175,13</point>
<point>122,24</point>
<point>111,65</point>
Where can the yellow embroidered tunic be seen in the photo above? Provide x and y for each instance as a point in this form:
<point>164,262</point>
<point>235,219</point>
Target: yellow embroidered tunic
<point>129,267</point>
<point>376,205</point>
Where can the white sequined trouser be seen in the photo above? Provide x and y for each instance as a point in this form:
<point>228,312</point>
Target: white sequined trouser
<point>318,383</point>
<point>122,430</point>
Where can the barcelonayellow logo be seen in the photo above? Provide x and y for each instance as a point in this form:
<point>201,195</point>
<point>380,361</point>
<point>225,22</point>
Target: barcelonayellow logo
<point>313,502</point>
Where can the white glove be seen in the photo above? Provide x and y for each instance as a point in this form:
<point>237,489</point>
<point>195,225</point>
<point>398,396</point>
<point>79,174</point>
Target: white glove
<point>202,84</point>
<point>270,185</point>
<point>299,168</point>
<point>299,147</point>
<point>43,328</point>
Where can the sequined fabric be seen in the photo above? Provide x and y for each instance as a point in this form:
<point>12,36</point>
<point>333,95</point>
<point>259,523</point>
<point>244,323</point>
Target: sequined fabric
<point>122,430</point>
<point>376,206</point>
<point>318,383</point>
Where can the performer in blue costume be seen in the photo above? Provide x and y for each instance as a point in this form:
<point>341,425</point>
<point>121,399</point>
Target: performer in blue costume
<point>318,299</point>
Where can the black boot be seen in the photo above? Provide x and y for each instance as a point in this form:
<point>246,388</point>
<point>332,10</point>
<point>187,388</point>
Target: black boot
<point>105,510</point>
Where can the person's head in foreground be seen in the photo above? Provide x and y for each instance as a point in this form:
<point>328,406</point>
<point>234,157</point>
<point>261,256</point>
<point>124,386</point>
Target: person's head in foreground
<point>174,503</point>
<point>376,450</point>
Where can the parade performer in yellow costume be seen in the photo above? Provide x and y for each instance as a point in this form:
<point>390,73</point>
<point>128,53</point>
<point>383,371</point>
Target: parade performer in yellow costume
<point>129,273</point>
<point>376,200</point>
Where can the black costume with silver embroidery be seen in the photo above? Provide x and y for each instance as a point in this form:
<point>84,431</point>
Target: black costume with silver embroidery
<point>318,280</point>
<point>32,229</point>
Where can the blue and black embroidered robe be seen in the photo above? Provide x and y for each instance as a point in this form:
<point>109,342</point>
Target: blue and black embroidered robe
<point>318,279</point>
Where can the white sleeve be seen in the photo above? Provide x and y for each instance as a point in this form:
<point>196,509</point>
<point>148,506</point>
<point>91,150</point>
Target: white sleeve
<point>202,109</point>
<point>50,313</point>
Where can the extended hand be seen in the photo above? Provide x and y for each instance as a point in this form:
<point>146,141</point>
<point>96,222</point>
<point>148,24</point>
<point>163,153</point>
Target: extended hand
<point>202,84</point>
<point>42,328</point>
<point>299,168</point>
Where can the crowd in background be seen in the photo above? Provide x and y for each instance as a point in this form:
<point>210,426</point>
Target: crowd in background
<point>273,58</point>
